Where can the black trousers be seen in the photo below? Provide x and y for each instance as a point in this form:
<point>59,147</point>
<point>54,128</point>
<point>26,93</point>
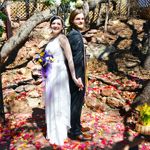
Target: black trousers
<point>77,101</point>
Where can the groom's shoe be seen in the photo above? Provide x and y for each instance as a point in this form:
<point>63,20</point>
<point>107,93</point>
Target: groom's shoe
<point>81,137</point>
<point>85,129</point>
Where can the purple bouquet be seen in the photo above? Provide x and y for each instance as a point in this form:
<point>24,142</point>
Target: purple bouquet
<point>44,59</point>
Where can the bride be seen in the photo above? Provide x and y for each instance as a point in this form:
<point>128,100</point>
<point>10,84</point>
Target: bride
<point>57,93</point>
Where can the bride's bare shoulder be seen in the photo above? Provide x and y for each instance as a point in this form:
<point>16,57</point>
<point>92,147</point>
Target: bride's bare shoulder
<point>62,38</point>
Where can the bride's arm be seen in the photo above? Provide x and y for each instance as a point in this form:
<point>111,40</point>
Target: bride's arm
<point>67,51</point>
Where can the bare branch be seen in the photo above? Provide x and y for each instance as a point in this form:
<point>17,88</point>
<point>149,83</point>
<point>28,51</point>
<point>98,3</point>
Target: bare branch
<point>23,33</point>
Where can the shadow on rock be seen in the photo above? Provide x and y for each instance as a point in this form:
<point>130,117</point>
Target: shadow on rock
<point>38,117</point>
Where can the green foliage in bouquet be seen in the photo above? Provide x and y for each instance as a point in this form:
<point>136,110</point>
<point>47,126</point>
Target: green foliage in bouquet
<point>144,114</point>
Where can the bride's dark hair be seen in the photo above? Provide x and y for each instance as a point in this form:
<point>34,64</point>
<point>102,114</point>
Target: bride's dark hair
<point>56,17</point>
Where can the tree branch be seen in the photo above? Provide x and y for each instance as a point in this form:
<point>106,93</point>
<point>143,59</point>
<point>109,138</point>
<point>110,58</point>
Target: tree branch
<point>23,33</point>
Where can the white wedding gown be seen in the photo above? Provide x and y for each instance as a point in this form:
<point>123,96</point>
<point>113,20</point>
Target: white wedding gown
<point>57,96</point>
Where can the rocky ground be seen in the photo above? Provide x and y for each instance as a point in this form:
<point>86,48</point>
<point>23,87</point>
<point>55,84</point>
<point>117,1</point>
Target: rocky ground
<point>114,79</point>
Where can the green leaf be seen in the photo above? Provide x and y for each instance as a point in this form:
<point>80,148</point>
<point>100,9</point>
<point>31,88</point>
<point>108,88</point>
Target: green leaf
<point>2,16</point>
<point>1,31</point>
<point>145,114</point>
<point>49,2</point>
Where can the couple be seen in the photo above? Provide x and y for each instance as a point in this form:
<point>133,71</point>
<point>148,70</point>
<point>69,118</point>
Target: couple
<point>63,89</point>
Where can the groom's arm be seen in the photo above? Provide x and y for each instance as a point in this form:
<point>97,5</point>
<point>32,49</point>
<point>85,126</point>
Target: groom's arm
<point>76,44</point>
<point>77,48</point>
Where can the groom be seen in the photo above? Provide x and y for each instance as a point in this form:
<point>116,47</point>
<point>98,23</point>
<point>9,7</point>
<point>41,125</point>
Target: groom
<point>77,23</point>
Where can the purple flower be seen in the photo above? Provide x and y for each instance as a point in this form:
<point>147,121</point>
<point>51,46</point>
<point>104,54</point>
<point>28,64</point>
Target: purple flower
<point>44,59</point>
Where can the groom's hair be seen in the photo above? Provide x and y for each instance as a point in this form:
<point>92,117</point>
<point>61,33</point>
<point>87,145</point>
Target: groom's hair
<point>73,14</point>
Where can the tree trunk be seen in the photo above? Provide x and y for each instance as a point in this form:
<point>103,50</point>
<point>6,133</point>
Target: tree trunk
<point>144,97</point>
<point>120,3</point>
<point>128,8</point>
<point>23,33</point>
<point>147,61</point>
<point>27,4</point>
<point>7,12</point>
<point>107,15</point>
<point>2,114</point>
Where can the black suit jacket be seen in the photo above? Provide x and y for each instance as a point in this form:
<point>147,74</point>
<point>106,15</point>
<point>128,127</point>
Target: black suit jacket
<point>77,47</point>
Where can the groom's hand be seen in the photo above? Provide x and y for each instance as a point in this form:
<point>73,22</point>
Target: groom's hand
<point>81,84</point>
